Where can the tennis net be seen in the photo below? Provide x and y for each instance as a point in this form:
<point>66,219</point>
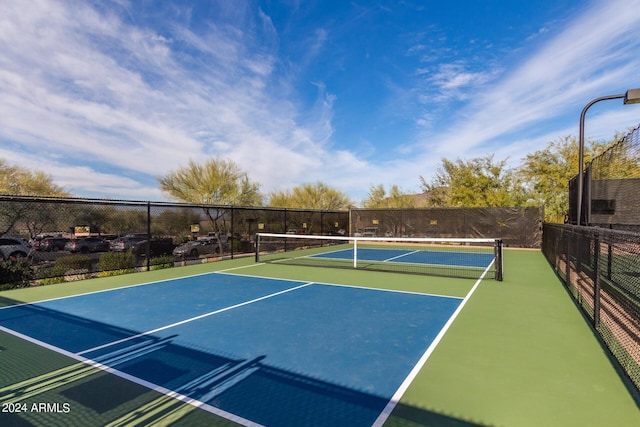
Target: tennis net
<point>451,257</point>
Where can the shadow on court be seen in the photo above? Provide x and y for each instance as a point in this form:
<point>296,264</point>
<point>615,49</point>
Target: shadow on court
<point>41,387</point>
<point>4,302</point>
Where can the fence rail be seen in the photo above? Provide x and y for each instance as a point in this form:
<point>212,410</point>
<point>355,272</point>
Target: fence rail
<point>601,269</point>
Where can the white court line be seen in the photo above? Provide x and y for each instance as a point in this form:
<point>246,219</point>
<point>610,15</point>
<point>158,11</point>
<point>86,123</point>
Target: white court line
<point>135,285</point>
<point>395,258</point>
<point>381,418</point>
<point>393,291</point>
<point>321,254</point>
<point>462,266</point>
<point>401,255</point>
<point>386,412</point>
<point>182,322</point>
<point>399,291</point>
<point>149,385</point>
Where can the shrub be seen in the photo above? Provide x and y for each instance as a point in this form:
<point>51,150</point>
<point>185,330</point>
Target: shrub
<point>65,266</point>
<point>72,262</point>
<point>15,274</point>
<point>109,273</point>
<point>54,280</point>
<point>52,275</point>
<point>114,263</point>
<point>161,262</point>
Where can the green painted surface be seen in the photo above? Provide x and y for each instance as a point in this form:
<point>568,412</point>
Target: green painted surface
<point>519,354</point>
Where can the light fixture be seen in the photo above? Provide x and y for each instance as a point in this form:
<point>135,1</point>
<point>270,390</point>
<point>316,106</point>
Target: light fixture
<point>632,96</point>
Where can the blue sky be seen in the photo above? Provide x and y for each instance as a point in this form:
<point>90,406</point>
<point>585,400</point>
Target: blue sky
<point>107,95</point>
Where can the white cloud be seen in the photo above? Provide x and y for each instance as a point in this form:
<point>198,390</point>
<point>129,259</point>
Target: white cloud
<point>83,87</point>
<point>559,77</point>
<point>535,101</point>
<point>455,76</point>
<point>80,86</point>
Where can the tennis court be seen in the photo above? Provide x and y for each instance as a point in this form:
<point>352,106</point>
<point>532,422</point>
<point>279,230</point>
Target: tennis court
<point>239,342</point>
<point>467,258</point>
<point>413,257</point>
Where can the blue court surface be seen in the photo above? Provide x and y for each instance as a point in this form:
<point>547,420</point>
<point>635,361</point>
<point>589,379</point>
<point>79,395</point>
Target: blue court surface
<point>424,257</point>
<point>257,351</point>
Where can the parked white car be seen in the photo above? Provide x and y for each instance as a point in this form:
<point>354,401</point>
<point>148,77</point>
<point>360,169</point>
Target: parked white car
<point>13,248</point>
<point>196,248</point>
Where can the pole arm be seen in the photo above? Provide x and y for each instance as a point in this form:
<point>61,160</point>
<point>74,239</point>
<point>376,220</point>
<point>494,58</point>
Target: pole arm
<point>581,150</point>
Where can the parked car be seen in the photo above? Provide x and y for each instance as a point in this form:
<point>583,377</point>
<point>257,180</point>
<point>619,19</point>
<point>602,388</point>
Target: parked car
<point>87,244</point>
<point>197,248</point>
<point>157,246</point>
<point>13,248</point>
<point>36,242</point>
<point>52,244</point>
<point>366,232</point>
<point>125,243</point>
<point>296,231</point>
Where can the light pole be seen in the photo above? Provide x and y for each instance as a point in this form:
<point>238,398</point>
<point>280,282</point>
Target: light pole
<point>632,96</point>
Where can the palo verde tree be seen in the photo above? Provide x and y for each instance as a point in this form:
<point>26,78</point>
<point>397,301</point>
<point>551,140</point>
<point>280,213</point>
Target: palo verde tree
<point>479,182</point>
<point>215,184</point>
<point>16,180</point>
<point>318,196</point>
<point>391,204</point>
<point>395,198</point>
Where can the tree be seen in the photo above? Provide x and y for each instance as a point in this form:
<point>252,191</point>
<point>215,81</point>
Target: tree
<point>478,182</point>
<point>547,173</point>
<point>378,198</point>
<point>310,196</point>
<point>390,205</point>
<point>16,180</point>
<point>620,160</point>
<point>318,196</point>
<point>216,182</point>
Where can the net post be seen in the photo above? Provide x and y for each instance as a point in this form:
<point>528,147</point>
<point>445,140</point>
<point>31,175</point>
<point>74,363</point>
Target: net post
<point>148,243</point>
<point>499,272</point>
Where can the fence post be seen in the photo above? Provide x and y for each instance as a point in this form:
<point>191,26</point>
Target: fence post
<point>567,261</point>
<point>148,244</point>
<point>609,255</point>
<point>231,233</point>
<point>285,221</point>
<point>596,284</point>
<point>587,194</point>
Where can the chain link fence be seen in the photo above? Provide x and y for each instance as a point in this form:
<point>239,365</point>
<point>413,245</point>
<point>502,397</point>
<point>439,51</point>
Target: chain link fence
<point>517,227</point>
<point>64,239</point>
<point>601,270</point>
<point>68,239</point>
<point>611,187</point>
